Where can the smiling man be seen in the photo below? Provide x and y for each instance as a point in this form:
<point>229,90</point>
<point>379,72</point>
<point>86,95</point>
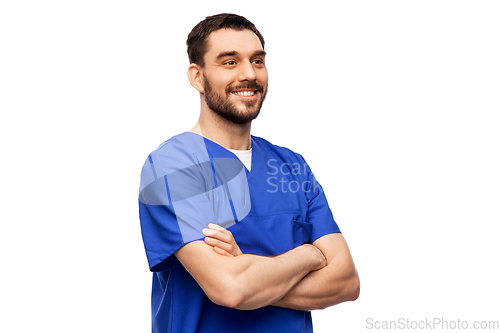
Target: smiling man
<point>230,250</point>
<point>250,93</point>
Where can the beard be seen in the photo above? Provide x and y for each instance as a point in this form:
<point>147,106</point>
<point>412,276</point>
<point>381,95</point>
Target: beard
<point>223,107</point>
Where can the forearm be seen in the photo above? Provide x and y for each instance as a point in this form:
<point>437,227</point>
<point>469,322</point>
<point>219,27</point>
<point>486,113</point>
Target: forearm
<point>336,283</point>
<point>265,280</point>
<point>248,281</point>
<point>318,290</point>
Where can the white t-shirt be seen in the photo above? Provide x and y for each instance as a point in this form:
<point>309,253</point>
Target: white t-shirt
<point>245,157</point>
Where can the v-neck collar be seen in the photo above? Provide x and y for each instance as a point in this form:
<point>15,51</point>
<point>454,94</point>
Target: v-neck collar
<point>256,150</point>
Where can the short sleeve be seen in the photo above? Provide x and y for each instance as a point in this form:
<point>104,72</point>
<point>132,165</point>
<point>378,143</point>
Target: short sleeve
<point>319,213</point>
<point>175,201</point>
<point>183,188</point>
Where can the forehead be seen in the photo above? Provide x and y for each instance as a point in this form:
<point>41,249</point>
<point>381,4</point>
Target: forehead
<point>223,40</point>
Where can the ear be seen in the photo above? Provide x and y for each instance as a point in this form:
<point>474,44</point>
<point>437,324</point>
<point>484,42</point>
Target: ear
<point>195,77</point>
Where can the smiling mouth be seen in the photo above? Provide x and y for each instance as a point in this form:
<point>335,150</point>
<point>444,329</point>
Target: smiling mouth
<point>246,93</point>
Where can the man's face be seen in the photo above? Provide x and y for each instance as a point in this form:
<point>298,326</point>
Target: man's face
<point>235,76</point>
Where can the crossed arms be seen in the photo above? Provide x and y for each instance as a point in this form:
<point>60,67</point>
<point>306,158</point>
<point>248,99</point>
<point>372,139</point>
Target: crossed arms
<point>305,278</point>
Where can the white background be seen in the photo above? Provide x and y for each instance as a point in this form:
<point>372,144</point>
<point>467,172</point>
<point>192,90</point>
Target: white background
<point>394,104</point>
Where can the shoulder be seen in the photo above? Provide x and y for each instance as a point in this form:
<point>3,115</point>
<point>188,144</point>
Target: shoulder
<point>180,144</point>
<point>279,152</point>
<point>179,168</point>
<point>183,156</point>
<point>180,151</point>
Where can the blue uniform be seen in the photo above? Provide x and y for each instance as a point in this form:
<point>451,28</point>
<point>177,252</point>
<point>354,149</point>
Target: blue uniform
<point>190,181</point>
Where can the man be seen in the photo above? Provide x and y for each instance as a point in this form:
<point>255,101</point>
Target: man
<point>237,231</point>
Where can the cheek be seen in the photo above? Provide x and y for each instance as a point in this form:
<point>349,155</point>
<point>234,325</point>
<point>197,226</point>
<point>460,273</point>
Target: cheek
<point>220,80</point>
<point>262,76</point>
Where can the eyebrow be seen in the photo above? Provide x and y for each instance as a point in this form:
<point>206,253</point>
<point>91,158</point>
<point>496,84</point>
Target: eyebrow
<point>234,53</point>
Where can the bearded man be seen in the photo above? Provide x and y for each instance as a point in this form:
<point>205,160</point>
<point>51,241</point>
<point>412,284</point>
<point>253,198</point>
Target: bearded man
<point>230,250</point>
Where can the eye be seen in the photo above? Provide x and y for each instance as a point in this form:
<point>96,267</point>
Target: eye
<point>230,63</point>
<point>258,62</point>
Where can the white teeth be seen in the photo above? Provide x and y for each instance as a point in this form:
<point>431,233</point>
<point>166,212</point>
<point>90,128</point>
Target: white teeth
<point>244,93</point>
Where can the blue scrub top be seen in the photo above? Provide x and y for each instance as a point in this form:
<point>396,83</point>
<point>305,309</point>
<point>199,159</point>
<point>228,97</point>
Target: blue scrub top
<point>190,181</point>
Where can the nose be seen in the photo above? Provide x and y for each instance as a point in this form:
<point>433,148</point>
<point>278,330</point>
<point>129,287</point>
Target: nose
<point>247,72</point>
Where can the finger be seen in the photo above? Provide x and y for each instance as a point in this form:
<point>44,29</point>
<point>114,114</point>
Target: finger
<point>222,252</point>
<point>208,232</point>
<point>218,235</point>
<point>217,243</point>
<point>217,227</point>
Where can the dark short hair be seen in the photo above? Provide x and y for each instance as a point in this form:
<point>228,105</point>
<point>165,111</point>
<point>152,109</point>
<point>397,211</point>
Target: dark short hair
<point>197,38</point>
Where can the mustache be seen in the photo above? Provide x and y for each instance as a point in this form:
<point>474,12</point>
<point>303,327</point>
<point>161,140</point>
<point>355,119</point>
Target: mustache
<point>248,85</point>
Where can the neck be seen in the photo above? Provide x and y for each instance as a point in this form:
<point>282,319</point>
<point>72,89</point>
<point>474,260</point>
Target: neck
<point>223,132</point>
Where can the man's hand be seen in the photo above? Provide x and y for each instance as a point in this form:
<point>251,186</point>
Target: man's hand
<point>221,240</point>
